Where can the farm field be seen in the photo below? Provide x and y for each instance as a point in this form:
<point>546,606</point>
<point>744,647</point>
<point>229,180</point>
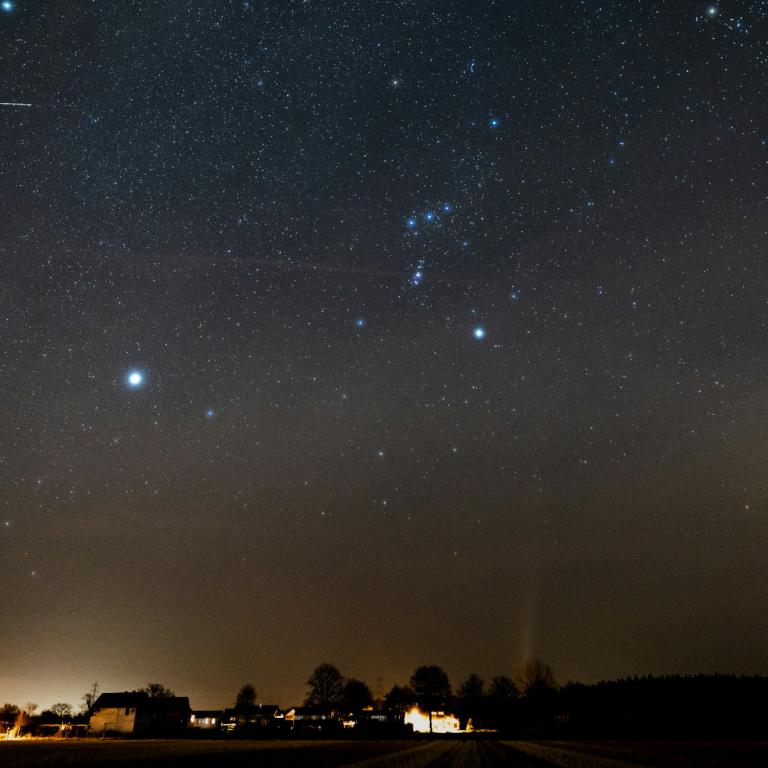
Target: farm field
<point>380,754</point>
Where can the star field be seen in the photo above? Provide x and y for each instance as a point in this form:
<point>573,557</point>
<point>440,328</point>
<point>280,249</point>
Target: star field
<point>328,324</point>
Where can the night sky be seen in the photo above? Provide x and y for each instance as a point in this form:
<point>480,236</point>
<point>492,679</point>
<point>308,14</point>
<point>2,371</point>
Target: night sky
<point>383,333</point>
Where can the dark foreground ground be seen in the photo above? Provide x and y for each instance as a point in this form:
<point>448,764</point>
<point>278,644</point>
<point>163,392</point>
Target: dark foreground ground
<point>466,753</point>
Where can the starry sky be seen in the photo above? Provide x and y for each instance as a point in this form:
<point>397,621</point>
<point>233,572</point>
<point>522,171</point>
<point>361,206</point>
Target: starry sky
<point>380,333</point>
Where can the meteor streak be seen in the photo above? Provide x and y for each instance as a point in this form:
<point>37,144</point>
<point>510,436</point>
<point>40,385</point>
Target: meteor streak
<point>14,104</point>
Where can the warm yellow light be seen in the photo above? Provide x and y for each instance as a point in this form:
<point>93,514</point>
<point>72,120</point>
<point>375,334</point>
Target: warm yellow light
<point>441,723</point>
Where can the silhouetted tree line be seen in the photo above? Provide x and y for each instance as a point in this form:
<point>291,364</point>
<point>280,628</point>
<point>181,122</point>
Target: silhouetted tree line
<point>527,704</point>
<point>527,701</point>
<point>530,703</point>
<point>700,706</point>
<point>673,706</point>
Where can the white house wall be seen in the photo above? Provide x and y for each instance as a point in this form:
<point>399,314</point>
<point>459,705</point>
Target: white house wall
<point>113,720</point>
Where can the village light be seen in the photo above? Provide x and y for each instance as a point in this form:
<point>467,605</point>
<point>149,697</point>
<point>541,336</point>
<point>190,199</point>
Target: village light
<point>441,722</point>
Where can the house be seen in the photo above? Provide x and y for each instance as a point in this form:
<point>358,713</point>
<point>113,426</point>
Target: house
<point>258,717</point>
<point>263,715</point>
<point>120,713</point>
<point>312,720</point>
<point>206,719</point>
<point>432,722</point>
<point>135,713</point>
<point>169,715</point>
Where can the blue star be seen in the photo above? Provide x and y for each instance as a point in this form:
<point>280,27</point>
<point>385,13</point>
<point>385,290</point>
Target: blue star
<point>135,379</point>
<point>7,6</point>
<point>479,332</point>
<point>515,295</point>
<point>429,216</point>
<point>447,208</point>
<point>411,223</point>
<point>360,322</point>
<point>494,122</point>
<point>712,11</point>
<point>210,414</point>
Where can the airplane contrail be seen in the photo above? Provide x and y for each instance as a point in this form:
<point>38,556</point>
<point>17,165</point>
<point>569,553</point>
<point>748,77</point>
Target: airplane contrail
<point>14,104</point>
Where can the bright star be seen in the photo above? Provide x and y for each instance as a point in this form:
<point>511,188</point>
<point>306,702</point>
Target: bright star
<point>711,11</point>
<point>411,223</point>
<point>135,379</point>
<point>210,413</point>
<point>7,6</point>
<point>479,332</point>
<point>494,122</point>
<point>429,216</point>
<point>360,322</point>
<point>447,208</point>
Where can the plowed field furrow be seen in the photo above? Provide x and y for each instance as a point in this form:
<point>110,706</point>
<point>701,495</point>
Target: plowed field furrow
<point>415,757</point>
<point>449,753</point>
<point>568,758</point>
<point>498,755</point>
<point>654,754</point>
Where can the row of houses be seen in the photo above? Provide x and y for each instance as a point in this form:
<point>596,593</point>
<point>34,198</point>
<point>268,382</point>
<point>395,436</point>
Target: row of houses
<point>135,713</point>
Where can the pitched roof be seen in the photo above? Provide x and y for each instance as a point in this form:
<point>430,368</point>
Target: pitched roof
<point>266,709</point>
<point>136,699</point>
<point>119,700</point>
<point>170,704</point>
